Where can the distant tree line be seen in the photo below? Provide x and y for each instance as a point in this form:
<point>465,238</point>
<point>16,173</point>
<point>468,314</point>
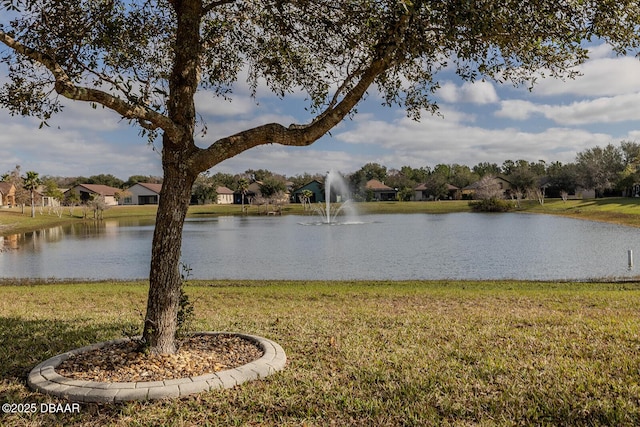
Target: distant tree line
<point>610,170</point>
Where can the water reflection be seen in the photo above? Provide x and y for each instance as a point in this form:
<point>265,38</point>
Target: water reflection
<point>451,246</point>
<point>9,242</point>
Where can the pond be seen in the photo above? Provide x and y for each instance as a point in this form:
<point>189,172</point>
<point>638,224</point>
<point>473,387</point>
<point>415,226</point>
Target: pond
<point>381,247</point>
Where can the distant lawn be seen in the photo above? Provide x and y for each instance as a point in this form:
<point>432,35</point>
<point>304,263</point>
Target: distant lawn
<point>361,353</point>
<point>13,221</point>
<point>438,207</point>
<point>619,210</point>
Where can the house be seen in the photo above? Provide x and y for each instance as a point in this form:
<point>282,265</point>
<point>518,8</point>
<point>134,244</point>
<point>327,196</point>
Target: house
<point>142,193</point>
<point>380,191</point>
<point>87,191</point>
<point>316,188</point>
<point>253,194</point>
<point>469,191</point>
<point>421,192</point>
<point>7,194</point>
<point>253,191</point>
<point>44,200</point>
<point>225,195</point>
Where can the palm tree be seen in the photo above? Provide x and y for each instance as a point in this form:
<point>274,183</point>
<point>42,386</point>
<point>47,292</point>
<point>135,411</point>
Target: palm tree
<point>305,197</point>
<point>30,182</point>
<point>243,187</point>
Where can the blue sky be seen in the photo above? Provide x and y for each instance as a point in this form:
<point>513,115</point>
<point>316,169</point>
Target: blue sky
<point>481,122</point>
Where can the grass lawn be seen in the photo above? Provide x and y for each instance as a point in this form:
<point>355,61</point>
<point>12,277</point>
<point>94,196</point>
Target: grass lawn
<point>13,221</point>
<point>361,353</point>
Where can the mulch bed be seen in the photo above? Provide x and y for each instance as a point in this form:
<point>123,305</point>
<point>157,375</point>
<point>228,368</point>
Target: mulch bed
<point>197,355</point>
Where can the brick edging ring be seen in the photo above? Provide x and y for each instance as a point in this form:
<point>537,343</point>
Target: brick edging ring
<point>45,379</point>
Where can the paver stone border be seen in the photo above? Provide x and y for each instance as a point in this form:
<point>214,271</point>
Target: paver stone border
<point>45,379</point>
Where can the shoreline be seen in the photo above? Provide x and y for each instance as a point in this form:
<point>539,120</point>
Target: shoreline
<point>618,210</point>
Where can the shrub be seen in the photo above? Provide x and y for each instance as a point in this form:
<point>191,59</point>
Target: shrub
<point>491,205</point>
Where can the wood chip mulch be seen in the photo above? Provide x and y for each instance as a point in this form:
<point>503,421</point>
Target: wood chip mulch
<point>198,355</point>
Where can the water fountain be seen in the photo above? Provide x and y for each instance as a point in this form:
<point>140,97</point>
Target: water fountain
<point>329,213</point>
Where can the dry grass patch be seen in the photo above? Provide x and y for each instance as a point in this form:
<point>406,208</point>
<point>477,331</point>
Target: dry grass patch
<point>387,353</point>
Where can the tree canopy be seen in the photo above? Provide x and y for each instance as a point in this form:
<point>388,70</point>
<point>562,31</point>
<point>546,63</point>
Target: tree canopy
<point>123,54</point>
<point>146,60</point>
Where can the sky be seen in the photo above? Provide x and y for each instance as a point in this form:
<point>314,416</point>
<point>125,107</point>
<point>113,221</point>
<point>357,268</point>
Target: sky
<point>480,122</point>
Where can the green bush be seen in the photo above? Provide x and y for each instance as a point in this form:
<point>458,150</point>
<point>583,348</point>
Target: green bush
<point>491,205</point>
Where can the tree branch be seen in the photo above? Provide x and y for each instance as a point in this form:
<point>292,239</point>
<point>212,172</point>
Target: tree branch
<point>294,135</point>
<point>65,87</point>
<point>209,7</point>
<point>383,57</point>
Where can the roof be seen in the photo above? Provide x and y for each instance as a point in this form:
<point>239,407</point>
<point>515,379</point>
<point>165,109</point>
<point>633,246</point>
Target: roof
<point>375,185</point>
<point>153,187</point>
<point>103,190</point>
<point>423,187</point>
<point>472,186</point>
<point>5,187</point>
<point>476,185</point>
<point>254,187</point>
<point>311,184</point>
<point>223,190</point>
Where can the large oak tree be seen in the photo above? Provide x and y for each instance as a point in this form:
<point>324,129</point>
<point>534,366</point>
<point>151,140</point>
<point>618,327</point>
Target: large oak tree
<point>146,60</point>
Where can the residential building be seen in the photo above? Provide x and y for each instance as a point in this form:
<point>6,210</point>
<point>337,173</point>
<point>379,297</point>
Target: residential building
<point>316,188</point>
<point>44,200</point>
<point>421,192</point>
<point>142,193</point>
<point>7,194</point>
<point>469,191</point>
<point>253,191</point>
<point>87,192</point>
<point>225,196</point>
<point>381,192</point>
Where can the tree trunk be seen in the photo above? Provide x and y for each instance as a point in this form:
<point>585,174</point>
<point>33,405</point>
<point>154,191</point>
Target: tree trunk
<point>164,276</point>
<point>179,176</point>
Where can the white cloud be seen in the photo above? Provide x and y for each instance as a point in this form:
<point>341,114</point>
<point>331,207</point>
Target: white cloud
<point>208,104</point>
<point>73,152</point>
<point>480,92</point>
<point>517,109</point>
<point>293,160</point>
<point>448,92</point>
<point>600,77</point>
<point>600,110</point>
<point>393,141</point>
<point>81,115</point>
<point>450,140</point>
<point>601,51</point>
